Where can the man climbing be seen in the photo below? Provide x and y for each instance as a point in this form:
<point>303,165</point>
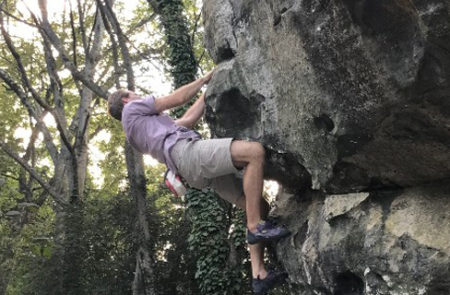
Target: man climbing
<point>203,163</point>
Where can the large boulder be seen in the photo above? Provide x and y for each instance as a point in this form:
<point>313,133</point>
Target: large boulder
<point>351,99</point>
<point>377,243</point>
<point>347,95</point>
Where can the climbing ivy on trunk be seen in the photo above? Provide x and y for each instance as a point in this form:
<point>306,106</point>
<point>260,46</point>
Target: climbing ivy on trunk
<point>219,248</point>
<point>180,54</point>
<point>209,227</point>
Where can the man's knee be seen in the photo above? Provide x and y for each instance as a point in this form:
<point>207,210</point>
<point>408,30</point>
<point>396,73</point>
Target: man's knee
<point>247,151</point>
<point>257,151</point>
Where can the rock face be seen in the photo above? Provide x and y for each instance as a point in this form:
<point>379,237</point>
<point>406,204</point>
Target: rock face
<point>382,242</point>
<point>351,99</point>
<point>355,92</point>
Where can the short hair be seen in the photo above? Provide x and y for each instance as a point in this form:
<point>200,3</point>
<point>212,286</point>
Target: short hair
<point>115,104</point>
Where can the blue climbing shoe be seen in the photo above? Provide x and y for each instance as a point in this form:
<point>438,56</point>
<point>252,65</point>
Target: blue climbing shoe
<point>273,279</point>
<point>266,231</point>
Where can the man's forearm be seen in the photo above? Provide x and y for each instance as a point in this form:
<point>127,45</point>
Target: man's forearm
<point>182,95</point>
<point>188,91</point>
<point>194,113</point>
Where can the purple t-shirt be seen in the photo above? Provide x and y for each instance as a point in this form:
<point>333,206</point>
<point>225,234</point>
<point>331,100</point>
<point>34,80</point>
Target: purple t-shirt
<point>153,133</point>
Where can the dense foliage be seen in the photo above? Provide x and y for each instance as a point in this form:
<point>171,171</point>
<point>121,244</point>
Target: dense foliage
<point>218,239</point>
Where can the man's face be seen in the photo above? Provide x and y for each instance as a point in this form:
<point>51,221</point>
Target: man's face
<point>131,96</point>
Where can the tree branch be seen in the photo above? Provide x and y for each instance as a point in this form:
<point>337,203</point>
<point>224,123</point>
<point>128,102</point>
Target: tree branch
<point>30,148</point>
<point>74,36</point>
<point>143,21</point>
<point>122,42</point>
<point>90,64</point>
<point>20,66</point>
<point>46,29</point>
<point>32,173</point>
<point>114,48</point>
<point>9,176</point>
<point>33,113</point>
<point>81,21</point>
<point>27,84</point>
<point>195,26</point>
<point>16,18</point>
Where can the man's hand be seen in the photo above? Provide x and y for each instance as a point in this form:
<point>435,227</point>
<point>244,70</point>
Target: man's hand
<point>206,78</point>
<point>182,94</point>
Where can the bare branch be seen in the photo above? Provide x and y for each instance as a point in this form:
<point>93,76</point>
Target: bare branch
<point>154,5</point>
<point>200,60</point>
<point>30,147</point>
<point>195,26</point>
<point>19,91</point>
<point>43,8</point>
<point>90,62</point>
<point>141,23</point>
<point>46,29</point>
<point>122,42</point>
<point>95,50</point>
<point>114,49</point>
<point>16,18</point>
<point>81,21</point>
<point>9,176</point>
<point>30,88</point>
<point>96,131</point>
<point>74,36</point>
<point>56,86</point>
<point>32,173</point>
<point>20,66</point>
<point>33,113</point>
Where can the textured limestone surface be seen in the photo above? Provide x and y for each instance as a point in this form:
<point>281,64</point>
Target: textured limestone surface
<point>351,99</point>
<point>383,242</point>
<point>349,94</point>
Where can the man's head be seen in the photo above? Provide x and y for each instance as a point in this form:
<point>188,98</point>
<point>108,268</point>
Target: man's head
<point>118,99</point>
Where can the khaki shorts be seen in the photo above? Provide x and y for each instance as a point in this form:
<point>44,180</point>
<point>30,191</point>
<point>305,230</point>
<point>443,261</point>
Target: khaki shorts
<point>207,163</point>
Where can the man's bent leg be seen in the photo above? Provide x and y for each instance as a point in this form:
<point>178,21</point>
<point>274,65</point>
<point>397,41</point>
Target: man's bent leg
<point>256,250</point>
<point>257,261</point>
<point>263,280</point>
<point>252,155</point>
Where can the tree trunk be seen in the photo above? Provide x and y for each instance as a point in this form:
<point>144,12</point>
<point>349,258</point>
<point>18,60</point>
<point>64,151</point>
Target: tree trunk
<point>144,275</point>
<point>143,282</point>
<point>181,53</point>
<point>184,70</point>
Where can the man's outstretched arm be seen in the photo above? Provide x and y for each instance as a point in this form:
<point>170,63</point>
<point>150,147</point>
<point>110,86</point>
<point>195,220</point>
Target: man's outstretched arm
<point>193,114</point>
<point>182,95</point>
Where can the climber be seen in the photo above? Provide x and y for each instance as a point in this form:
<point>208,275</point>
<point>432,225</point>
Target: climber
<point>202,163</point>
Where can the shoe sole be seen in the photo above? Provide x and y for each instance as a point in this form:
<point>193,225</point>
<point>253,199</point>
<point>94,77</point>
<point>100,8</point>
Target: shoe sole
<point>259,240</point>
<point>280,279</point>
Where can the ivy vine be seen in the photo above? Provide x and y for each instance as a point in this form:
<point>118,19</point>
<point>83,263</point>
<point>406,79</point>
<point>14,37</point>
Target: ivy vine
<point>216,229</point>
<point>213,235</point>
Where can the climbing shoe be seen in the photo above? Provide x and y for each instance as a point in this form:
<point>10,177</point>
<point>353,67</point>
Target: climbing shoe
<point>266,231</point>
<point>273,279</point>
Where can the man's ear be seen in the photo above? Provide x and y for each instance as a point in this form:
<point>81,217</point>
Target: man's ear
<point>125,100</point>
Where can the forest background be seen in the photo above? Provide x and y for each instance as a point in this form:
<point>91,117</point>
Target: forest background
<point>81,212</point>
